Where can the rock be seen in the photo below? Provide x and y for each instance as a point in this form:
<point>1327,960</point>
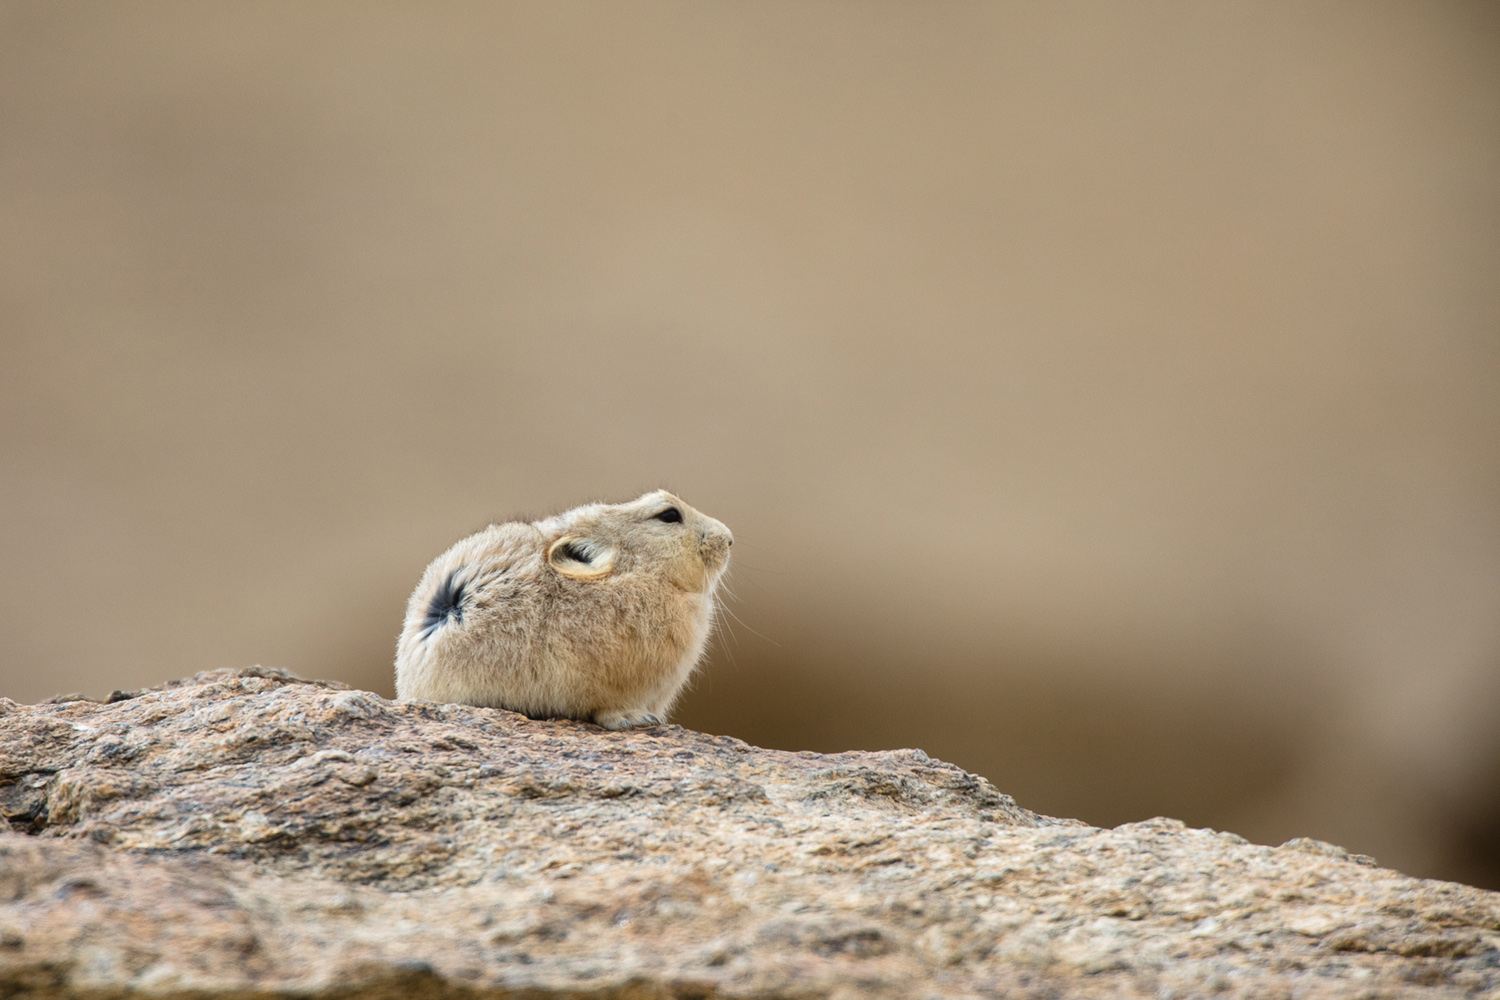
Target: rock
<point>247,833</point>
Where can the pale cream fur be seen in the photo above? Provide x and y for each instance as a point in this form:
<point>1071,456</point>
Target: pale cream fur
<point>600,613</point>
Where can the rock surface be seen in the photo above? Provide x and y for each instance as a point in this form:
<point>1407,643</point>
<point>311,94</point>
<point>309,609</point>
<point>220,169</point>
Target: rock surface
<point>248,834</point>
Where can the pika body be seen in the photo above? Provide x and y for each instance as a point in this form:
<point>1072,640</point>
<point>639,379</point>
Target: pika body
<point>600,613</point>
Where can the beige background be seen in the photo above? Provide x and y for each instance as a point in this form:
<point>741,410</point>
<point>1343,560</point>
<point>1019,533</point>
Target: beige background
<point>1104,397</point>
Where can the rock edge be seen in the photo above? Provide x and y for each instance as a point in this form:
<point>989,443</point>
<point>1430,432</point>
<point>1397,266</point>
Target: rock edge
<point>246,833</point>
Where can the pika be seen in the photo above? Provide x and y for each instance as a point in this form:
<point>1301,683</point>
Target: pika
<point>599,613</point>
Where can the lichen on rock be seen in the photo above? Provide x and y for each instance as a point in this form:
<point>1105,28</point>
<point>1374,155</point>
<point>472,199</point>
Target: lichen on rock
<point>248,833</point>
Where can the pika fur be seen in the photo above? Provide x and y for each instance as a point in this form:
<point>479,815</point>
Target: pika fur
<point>599,613</point>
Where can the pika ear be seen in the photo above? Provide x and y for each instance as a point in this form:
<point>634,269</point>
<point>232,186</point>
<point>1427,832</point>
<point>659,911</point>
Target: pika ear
<point>581,557</point>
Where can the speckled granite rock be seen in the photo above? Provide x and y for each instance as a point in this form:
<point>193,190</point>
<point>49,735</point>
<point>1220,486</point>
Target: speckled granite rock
<point>248,834</point>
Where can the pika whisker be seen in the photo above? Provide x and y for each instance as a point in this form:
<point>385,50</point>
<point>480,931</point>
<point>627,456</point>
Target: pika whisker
<point>759,635</point>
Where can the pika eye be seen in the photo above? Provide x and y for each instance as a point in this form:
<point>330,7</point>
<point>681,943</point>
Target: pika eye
<point>671,516</point>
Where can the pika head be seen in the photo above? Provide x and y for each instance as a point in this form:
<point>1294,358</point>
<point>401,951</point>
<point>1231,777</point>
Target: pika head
<point>600,613</point>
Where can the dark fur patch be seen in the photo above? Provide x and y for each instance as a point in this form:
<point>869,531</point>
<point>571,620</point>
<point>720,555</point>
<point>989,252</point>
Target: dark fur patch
<point>570,550</point>
<point>446,605</point>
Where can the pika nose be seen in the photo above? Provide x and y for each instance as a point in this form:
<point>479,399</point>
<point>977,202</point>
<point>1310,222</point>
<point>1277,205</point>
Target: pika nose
<point>716,539</point>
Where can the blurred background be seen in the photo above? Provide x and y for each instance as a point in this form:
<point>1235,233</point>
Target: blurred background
<point>1104,397</point>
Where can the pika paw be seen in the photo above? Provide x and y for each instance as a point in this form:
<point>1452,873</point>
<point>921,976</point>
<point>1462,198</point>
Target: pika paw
<point>600,613</point>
